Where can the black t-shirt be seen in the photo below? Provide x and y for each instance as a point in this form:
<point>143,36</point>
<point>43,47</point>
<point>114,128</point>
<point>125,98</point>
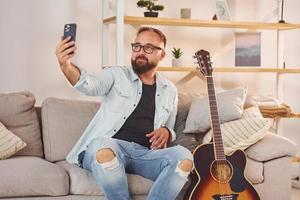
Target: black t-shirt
<point>141,120</point>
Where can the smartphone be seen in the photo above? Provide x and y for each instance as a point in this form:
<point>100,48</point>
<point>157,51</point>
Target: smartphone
<point>70,30</point>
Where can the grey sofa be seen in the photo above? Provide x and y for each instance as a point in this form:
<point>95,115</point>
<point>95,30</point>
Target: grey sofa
<point>39,171</point>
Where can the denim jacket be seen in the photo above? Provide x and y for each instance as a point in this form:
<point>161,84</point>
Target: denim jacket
<point>120,90</point>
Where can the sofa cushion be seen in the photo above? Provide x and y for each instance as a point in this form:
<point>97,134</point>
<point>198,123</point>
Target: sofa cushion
<point>254,171</point>
<point>272,146</point>
<point>17,113</point>
<point>230,107</point>
<point>32,176</point>
<point>63,123</point>
<point>9,143</point>
<point>184,102</point>
<point>83,183</point>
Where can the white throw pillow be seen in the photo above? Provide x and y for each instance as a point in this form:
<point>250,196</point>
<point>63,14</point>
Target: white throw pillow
<point>9,143</point>
<point>241,133</point>
<point>230,107</point>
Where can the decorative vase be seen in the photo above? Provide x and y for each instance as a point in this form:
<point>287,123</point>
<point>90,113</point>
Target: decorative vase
<point>150,14</point>
<point>185,13</point>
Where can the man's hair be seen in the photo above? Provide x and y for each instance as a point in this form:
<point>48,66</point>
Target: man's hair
<point>158,32</point>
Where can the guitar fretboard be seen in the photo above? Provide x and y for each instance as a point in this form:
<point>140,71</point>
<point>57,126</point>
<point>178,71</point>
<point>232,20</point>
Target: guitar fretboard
<point>217,136</point>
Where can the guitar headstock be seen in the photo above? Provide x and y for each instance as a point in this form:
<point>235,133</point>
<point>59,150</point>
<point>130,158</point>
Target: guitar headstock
<point>203,60</point>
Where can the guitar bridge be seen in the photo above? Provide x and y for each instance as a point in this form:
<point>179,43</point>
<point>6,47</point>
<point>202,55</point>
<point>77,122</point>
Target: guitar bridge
<point>226,197</point>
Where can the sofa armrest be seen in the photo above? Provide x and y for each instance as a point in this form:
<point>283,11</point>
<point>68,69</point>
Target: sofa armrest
<point>271,146</point>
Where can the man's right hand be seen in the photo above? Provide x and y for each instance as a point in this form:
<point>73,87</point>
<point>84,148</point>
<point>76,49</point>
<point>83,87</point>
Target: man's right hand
<point>64,52</point>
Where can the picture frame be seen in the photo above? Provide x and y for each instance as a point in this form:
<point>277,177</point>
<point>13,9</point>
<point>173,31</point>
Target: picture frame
<point>222,10</point>
<point>248,49</point>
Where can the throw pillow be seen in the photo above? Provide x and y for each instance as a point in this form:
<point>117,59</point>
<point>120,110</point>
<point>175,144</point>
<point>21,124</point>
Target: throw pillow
<point>230,107</point>
<point>241,133</point>
<point>9,143</point>
<point>18,114</point>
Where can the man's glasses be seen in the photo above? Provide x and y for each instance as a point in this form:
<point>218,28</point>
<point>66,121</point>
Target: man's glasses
<point>148,48</point>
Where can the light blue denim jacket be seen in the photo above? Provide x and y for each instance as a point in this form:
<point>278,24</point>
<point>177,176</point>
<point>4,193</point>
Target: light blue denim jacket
<point>120,90</point>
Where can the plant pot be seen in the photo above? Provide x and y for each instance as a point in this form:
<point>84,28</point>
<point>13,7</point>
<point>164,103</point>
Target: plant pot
<point>177,62</point>
<point>150,14</point>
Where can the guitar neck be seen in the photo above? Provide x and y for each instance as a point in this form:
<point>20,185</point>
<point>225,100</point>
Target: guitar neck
<point>215,123</point>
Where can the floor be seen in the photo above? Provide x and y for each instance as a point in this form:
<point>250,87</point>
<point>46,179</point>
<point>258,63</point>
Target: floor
<point>295,194</point>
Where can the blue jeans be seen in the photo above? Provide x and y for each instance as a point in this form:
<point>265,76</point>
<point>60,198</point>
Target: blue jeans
<point>161,166</point>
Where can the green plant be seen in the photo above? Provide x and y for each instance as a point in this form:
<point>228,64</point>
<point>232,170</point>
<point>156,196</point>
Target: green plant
<point>150,5</point>
<point>177,53</point>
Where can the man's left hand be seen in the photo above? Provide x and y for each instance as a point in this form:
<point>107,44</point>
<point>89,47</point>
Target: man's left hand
<point>159,138</point>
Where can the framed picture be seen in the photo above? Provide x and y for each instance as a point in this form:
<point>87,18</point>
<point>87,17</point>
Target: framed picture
<point>222,10</point>
<point>247,49</point>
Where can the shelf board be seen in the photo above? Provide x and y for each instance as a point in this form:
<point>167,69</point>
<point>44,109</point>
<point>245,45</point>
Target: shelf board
<point>294,115</point>
<point>232,69</point>
<point>295,159</point>
<point>201,23</point>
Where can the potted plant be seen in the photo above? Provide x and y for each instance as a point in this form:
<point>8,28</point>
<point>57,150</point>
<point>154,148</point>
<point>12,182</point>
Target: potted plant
<point>150,6</point>
<point>177,53</point>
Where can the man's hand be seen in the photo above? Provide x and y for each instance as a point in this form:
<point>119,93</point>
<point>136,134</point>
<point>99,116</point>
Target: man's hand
<point>65,50</point>
<point>159,138</point>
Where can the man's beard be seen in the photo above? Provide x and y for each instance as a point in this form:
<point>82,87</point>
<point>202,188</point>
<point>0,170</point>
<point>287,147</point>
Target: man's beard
<point>141,69</point>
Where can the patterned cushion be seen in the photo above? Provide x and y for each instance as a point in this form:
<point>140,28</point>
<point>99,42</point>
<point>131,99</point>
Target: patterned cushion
<point>9,143</point>
<point>241,133</point>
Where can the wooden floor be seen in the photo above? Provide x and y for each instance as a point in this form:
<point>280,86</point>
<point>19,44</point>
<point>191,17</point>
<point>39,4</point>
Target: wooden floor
<point>295,194</point>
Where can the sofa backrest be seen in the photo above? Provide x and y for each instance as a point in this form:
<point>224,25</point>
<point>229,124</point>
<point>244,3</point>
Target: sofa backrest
<point>18,114</point>
<point>65,120</point>
<point>63,123</point>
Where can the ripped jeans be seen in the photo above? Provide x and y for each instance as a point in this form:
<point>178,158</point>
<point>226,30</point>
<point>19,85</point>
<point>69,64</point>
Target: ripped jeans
<point>160,166</point>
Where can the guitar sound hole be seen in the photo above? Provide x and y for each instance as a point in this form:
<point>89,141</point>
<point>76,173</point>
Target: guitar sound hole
<point>221,171</point>
<point>226,197</point>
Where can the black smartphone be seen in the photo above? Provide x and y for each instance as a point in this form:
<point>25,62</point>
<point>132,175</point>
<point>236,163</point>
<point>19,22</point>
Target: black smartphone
<point>70,30</point>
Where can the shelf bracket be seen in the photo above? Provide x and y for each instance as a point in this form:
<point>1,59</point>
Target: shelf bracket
<point>188,77</point>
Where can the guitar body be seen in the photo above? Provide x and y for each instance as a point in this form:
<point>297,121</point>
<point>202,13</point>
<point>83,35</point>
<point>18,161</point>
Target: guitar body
<point>219,180</point>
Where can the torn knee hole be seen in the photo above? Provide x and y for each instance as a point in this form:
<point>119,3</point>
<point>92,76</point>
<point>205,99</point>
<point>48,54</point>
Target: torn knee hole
<point>186,165</point>
<point>105,155</point>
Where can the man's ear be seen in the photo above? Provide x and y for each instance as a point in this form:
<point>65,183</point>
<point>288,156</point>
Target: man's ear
<point>163,54</point>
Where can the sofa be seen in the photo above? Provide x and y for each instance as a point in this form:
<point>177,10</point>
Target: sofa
<point>40,171</point>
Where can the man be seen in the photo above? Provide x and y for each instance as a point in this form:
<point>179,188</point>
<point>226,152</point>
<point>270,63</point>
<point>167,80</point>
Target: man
<point>131,131</point>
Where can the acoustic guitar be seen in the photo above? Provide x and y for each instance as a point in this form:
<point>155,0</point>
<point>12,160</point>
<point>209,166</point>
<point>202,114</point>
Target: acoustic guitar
<point>217,176</point>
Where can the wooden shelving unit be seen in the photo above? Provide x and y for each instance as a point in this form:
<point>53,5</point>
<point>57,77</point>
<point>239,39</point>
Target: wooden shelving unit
<point>201,23</point>
<point>120,20</point>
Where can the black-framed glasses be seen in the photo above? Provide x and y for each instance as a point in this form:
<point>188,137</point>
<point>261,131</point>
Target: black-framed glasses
<point>148,48</point>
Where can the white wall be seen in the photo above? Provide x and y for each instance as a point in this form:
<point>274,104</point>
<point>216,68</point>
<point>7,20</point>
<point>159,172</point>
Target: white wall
<point>30,31</point>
